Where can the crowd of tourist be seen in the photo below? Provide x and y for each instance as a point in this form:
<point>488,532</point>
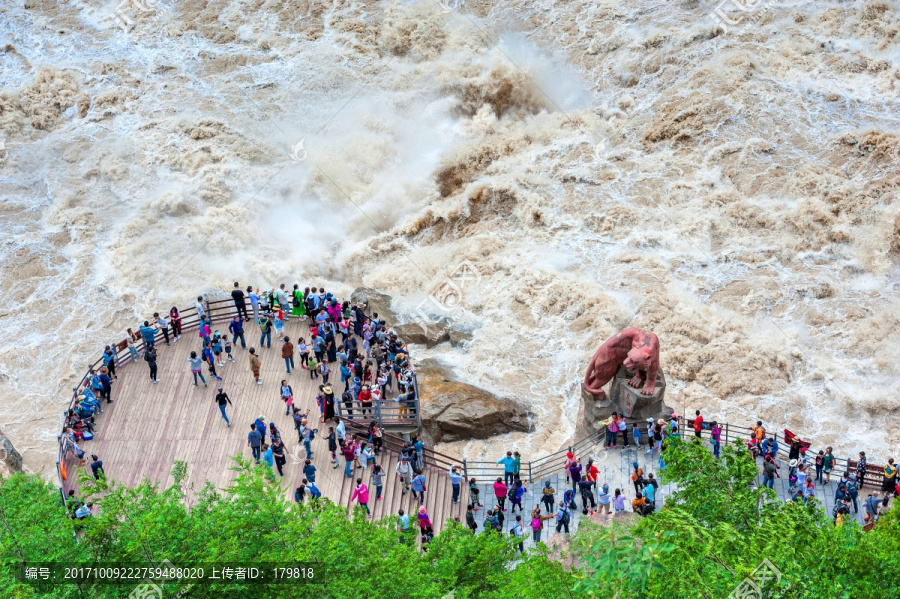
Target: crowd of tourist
<point>369,358</point>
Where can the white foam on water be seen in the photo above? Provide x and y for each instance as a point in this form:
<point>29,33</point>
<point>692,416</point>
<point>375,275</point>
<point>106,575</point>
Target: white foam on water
<point>618,165</point>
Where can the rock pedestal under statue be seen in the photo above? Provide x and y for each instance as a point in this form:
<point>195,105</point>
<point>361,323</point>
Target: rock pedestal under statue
<point>626,400</point>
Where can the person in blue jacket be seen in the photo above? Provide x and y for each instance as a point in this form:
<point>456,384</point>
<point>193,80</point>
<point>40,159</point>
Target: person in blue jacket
<point>509,468</point>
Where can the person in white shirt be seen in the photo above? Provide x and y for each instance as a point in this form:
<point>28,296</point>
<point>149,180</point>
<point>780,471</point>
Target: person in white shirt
<point>199,307</point>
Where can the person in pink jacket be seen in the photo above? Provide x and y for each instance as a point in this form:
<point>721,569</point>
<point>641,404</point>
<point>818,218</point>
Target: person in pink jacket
<point>361,492</point>
<point>500,492</point>
<point>424,520</point>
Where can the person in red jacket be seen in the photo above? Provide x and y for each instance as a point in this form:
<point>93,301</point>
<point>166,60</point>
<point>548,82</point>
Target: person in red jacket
<point>698,423</point>
<point>500,492</point>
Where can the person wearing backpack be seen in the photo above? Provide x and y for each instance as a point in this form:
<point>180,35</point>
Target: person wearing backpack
<point>853,492</point>
<point>563,517</point>
<point>888,483</point>
<point>518,532</point>
<point>491,521</point>
<point>637,477</point>
<point>516,496</point>
<point>313,489</point>
<point>587,494</point>
<point>827,465</point>
<point>150,357</point>
<point>265,330</point>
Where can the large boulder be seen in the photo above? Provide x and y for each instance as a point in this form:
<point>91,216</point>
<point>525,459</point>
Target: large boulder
<point>455,411</point>
<point>375,302</point>
<point>428,335</point>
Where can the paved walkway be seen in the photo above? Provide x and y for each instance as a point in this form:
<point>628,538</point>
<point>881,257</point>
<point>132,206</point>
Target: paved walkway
<point>149,426</point>
<point>615,468</point>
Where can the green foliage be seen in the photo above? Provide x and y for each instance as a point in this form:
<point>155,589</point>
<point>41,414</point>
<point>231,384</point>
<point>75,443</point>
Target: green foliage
<point>719,527</point>
<point>712,534</point>
<point>250,522</point>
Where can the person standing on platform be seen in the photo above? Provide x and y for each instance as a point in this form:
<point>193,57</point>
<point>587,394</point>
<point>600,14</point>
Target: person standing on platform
<point>265,330</point>
<point>199,305</point>
<point>455,478</point>
<point>283,301</point>
<point>278,455</point>
<point>698,424</point>
<point>519,532</point>
<point>889,483</point>
<point>260,423</point>
<point>239,303</point>
<point>105,385</point>
<point>500,491</point>
<point>148,334</point>
<point>255,365</point>
<point>162,326</point>
<point>197,367</point>
<point>150,358</point>
<point>97,467</point>
<point>470,519</point>
<point>222,399</point>
<point>418,487</point>
<point>405,472</point>
<point>254,302</point>
<point>109,360</point>
<point>175,323</point>
<point>509,468</point>
<point>298,308</point>
<point>254,442</point>
<point>236,328</point>
<point>287,352</point>
<point>563,517</point>
<point>861,469</point>
<point>827,465</point>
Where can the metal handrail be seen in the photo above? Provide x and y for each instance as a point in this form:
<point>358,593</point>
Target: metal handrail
<point>784,449</point>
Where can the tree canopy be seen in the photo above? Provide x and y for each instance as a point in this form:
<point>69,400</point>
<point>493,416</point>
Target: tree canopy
<point>716,533</point>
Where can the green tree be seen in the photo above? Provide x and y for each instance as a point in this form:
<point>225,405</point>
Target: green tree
<point>717,530</point>
<point>250,522</point>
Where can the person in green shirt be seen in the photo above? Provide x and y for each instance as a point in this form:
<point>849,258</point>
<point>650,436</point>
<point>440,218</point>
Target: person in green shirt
<point>517,464</point>
<point>299,307</point>
<point>827,464</point>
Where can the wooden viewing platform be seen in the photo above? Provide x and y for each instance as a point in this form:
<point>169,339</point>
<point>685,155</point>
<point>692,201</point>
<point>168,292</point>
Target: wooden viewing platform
<point>150,426</point>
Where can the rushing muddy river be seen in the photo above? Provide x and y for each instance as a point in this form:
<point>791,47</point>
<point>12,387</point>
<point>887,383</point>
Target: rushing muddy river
<point>725,175</point>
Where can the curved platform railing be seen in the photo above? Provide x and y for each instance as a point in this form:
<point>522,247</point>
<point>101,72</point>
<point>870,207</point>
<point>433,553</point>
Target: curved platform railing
<point>225,310</point>
<point>218,311</point>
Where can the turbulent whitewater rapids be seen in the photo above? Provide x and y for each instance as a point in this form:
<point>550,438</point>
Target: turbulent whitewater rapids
<point>600,166</point>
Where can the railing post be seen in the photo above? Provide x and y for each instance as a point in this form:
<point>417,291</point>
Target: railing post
<point>530,480</point>
<point>465,472</point>
<point>378,413</point>
<point>337,407</point>
<point>726,433</point>
<point>416,402</point>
